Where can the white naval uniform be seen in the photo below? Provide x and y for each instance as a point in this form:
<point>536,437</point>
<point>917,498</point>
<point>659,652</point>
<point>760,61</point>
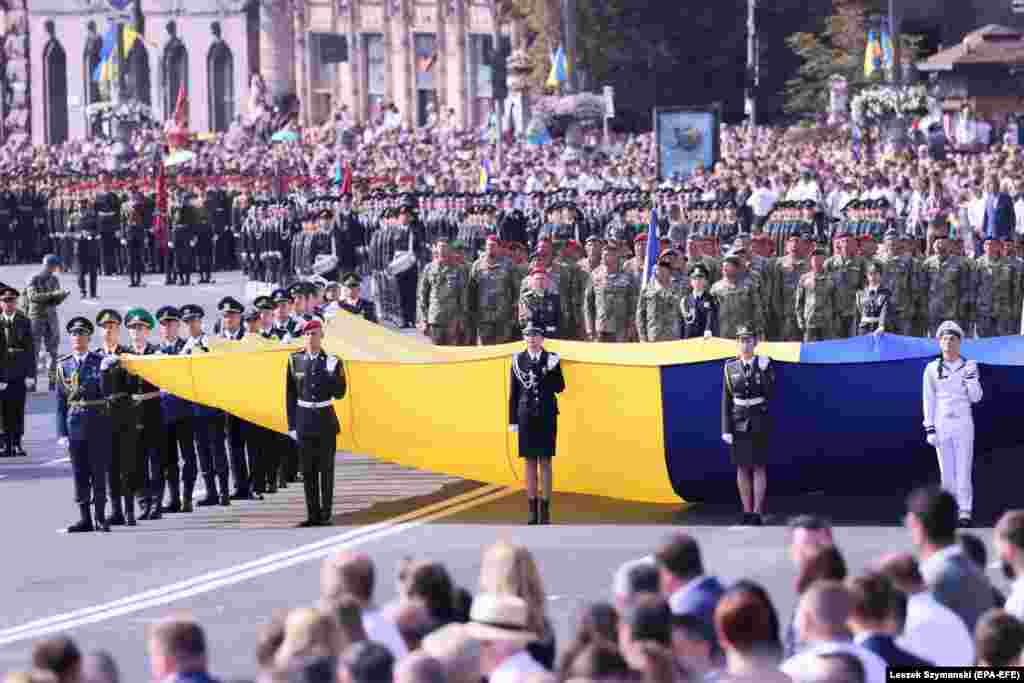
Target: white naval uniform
<point>950,389</point>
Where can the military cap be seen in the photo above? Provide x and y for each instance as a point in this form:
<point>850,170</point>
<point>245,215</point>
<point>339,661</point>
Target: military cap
<point>310,324</point>
<point>318,282</point>
<point>949,327</point>
<point>167,313</point>
<point>875,267</point>
<point>139,316</point>
<point>533,329</point>
<point>280,296</point>
<point>8,293</point>
<point>80,325</point>
<point>352,280</point>
<point>331,284</point>
<point>733,258</point>
<point>819,251</point>
<point>699,270</point>
<point>251,314</point>
<point>51,260</point>
<point>191,312</point>
<point>891,234</point>
<point>108,315</point>
<point>744,331</point>
<point>263,303</point>
<point>595,238</point>
<point>230,304</point>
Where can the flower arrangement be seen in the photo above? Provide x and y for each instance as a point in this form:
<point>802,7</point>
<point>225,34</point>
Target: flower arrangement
<point>872,106</point>
<point>108,112</point>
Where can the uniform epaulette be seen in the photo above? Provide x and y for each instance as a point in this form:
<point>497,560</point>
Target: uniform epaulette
<point>65,357</point>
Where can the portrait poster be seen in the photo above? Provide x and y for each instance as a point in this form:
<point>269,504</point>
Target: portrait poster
<point>686,138</point>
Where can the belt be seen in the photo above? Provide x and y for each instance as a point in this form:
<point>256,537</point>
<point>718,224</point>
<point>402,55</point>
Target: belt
<point>869,320</point>
<point>107,213</point>
<point>88,404</point>
<point>314,404</point>
<point>747,402</point>
<point>114,397</point>
<point>139,398</point>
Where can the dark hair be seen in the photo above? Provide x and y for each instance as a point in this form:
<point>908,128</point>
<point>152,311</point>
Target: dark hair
<point>642,578</point>
<point>844,667</point>
<point>1011,527</point>
<point>59,655</point>
<point>871,597</point>
<point>809,522</point>
<point>903,571</point>
<point>650,619</point>
<point>774,647</point>
<point>936,509</point>
<point>825,562</point>
<point>314,670</point>
<point>431,583</point>
<point>743,621</point>
<point>974,548</point>
<point>369,662</point>
<point>180,638</point>
<point>998,638</point>
<point>597,661</point>
<point>680,555</point>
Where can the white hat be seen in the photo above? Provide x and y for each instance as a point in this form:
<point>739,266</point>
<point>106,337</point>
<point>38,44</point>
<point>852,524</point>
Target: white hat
<point>499,617</point>
<point>949,327</point>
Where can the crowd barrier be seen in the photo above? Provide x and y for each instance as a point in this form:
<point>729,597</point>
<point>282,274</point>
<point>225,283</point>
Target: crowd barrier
<point>638,422</point>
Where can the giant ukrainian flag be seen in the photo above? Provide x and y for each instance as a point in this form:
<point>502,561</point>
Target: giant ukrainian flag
<point>638,421</point>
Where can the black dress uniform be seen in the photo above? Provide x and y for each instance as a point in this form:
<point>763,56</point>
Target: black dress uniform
<point>700,315</point>
<point>17,364</point>
<point>533,405</point>
<point>148,416</point>
<point>872,309</point>
<point>746,396</point>
<point>123,424</point>
<point>310,391</point>
<point>87,245</point>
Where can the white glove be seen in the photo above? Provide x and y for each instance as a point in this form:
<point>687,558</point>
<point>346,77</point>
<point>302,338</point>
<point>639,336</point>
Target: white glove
<point>970,371</point>
<point>63,442</point>
<point>108,362</point>
<point>170,245</point>
<point>727,438</point>
<point>30,382</point>
<point>332,363</point>
<point>3,385</point>
<point>294,435</point>
<point>763,361</point>
<point>124,243</point>
<point>931,440</point>
<point>707,334</point>
<point>513,428</point>
<point>552,361</point>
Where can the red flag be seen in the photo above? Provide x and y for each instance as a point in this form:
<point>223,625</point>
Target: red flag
<point>346,179</point>
<point>181,108</point>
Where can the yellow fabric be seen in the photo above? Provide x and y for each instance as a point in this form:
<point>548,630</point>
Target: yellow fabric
<point>446,409</point>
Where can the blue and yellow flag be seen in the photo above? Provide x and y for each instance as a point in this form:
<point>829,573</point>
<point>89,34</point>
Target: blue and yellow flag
<point>873,57</point>
<point>106,69</point>
<point>651,255</point>
<point>485,175</point>
<point>887,52</point>
<point>559,73</point>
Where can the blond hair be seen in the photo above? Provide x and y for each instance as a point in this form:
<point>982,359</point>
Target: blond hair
<point>308,632</point>
<point>509,569</point>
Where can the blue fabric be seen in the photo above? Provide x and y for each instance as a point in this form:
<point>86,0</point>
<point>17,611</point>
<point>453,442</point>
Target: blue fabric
<point>890,347</point>
<point>843,428</point>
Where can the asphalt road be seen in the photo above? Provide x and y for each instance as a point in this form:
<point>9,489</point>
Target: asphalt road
<point>232,567</point>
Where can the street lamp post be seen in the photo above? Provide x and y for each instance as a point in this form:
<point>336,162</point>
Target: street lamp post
<point>750,104</point>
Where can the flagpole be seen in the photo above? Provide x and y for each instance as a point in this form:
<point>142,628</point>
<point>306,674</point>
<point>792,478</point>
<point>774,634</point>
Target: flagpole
<point>894,38</point>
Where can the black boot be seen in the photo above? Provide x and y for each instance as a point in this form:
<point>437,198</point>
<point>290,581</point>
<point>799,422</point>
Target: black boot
<point>534,511</point>
<point>129,510</point>
<point>116,512</point>
<point>85,523</point>
<point>5,446</point>
<point>186,501</point>
<point>312,488</point>
<point>225,497</point>
<point>100,523</point>
<point>158,509</point>
<point>211,492</point>
<point>545,511</point>
<point>145,508</point>
<point>326,498</point>
<point>174,489</point>
<point>16,449</point>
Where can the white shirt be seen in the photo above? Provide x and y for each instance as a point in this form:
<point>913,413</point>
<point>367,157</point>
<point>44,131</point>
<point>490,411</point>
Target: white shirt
<point>803,191</point>
<point>515,669</point>
<point>1015,601</point>
<point>761,201</point>
<point>948,400</point>
<point>798,666</point>
<point>934,632</point>
<point>382,630</point>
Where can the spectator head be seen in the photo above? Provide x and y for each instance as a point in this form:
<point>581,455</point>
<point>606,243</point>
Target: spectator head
<point>931,518</point>
<point>430,583</point>
<point>500,623</point>
<point>836,667</point>
<point>176,645</point>
<point>308,632</point>
<point>974,548</point>
<point>59,656</point>
<point>268,641</point>
<point>678,559</point>
<point>998,639</point>
<point>347,573</point>
<point>414,622</point>
<point>33,676</point>
<point>458,653</point>
<point>419,667</point>
<point>875,604</point>
<point>1009,543</point>
<point>648,620</point>
<point>822,562</point>
<point>366,662</point>
<point>313,670</point>
<point>598,661</point>
<point>100,667</point>
<point>509,569</point>
<point>807,532</point>
<point>746,625</point>
<point>691,647</point>
<point>633,578</point>
<point>348,614</point>
<point>902,569</point>
<point>823,611</point>
<point>598,623</point>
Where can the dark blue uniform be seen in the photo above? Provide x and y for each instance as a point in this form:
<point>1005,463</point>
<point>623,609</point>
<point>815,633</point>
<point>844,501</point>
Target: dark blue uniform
<point>362,307</point>
<point>17,363</point>
<point>150,440</point>
<point>206,427</point>
<point>162,463</point>
<point>700,314</point>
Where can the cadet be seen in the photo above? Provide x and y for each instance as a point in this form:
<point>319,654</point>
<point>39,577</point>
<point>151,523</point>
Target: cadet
<point>123,424</point>
<point>658,316</point>
<point>161,459</point>
<point>848,275</point>
<point>738,301</point>
<point>150,436</point>
<point>699,309</point>
<point>17,370</point>
<point>746,422</point>
<point>533,413</point>
<point>610,302</point>
<point>490,297</point>
<point>353,302</point>
<point>315,379</point>
<point>257,443</point>
<point>873,303</point>
<point>200,433</point>
<point>538,303</point>
<point>788,271</point>
<point>231,328</point>
<point>994,286</point>
<point>44,294</point>
<point>83,423</point>
<point>947,281</point>
<point>898,276</point>
<point>441,298</point>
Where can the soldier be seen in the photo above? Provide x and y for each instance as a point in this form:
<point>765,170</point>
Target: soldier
<point>199,433</point>
<point>181,243</point>
<point>539,303</point>
<point>353,302</point>
<point>83,423</point>
<point>87,247</point>
<point>134,235</point>
<point>314,380</point>
<point>533,414</point>
<point>442,298</point>
<point>873,303</point>
<point>44,294</point>
<point>747,392</point>
<point>490,296</point>
<point>231,426</point>
<point>847,270</point>
<point>658,315</point>
<point>17,371</point>
<point>815,304</point>
<point>899,277</point>
<point>994,286</point>
<point>160,452</point>
<point>123,422</point>
<point>610,303</point>
<point>149,438</point>
<point>786,280</point>
<point>699,309</point>
<point>737,297</point>
<point>947,282</point>
<point>107,213</point>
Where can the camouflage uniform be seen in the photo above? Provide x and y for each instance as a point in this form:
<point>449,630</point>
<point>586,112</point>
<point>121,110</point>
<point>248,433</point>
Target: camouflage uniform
<point>786,281</point>
<point>900,278</point>
<point>848,274</point>
<point>947,285</point>
<point>738,304</point>
<point>572,301</point>
<point>43,294</point>
<point>760,269</point>
<point>994,294</point>
<point>919,326</point>
<point>610,306</point>
<point>441,301</point>
<point>490,300</point>
<point>658,315</point>
<point>815,306</point>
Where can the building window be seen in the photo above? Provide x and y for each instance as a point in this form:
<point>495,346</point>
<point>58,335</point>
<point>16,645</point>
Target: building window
<point>221,67</point>
<point>479,78</point>
<point>376,74</point>
<point>175,74</point>
<point>425,45</point>
<point>55,87</point>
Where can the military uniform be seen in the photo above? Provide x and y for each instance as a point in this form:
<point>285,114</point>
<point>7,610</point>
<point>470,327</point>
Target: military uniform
<point>899,277</point>
<point>148,418</point>
<point>542,307</point>
<point>124,423</point>
<point>746,395</point>
<point>44,294</point>
<point>947,281</point>
<point>610,306</point>
<point>17,370</point>
<point>788,272</point>
<point>490,299</point>
<point>994,293</point>
<point>815,306</point>
<point>873,309</point>
<point>848,274</point>
<point>738,304</point>
<point>441,298</point>
<point>658,315</point>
